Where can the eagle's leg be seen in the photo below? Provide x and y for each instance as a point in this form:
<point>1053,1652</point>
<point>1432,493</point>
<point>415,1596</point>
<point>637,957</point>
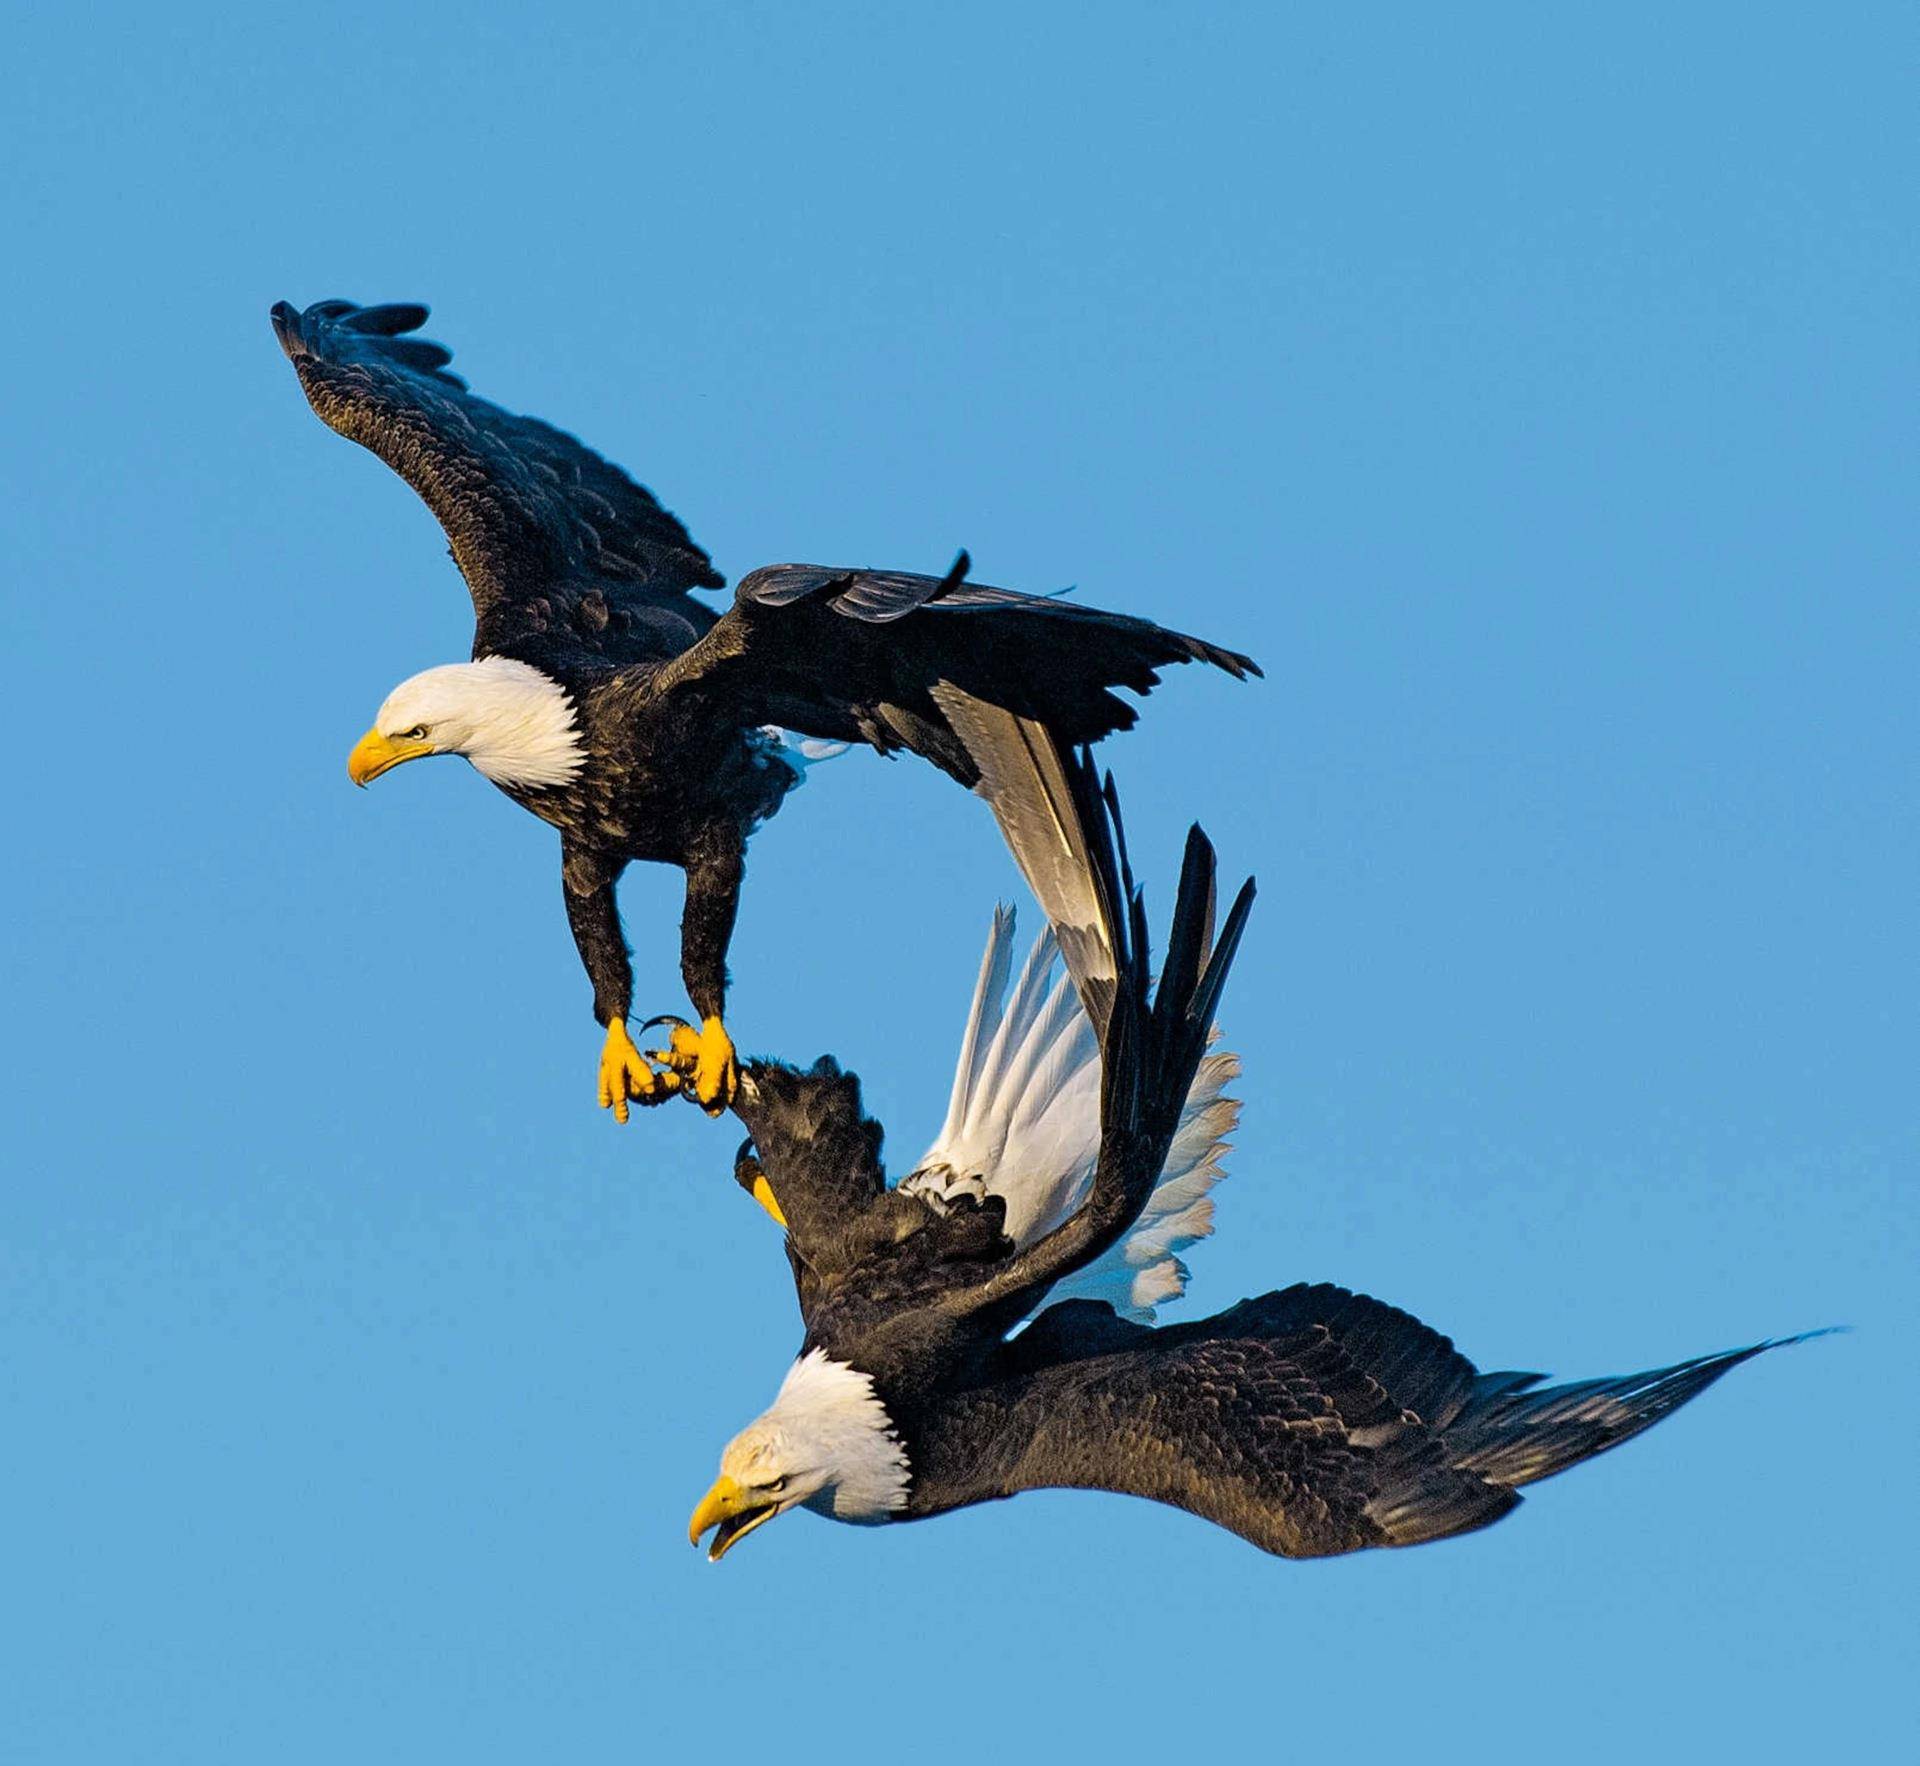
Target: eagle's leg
<point>716,866</point>
<point>595,918</point>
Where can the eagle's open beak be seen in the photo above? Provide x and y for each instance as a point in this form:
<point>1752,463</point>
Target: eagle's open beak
<point>734,1511</point>
<point>375,754</point>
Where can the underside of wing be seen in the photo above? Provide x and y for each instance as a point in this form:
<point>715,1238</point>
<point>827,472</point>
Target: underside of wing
<point>868,655</point>
<point>1026,784</point>
<point>1023,1123</point>
<point>1310,1421</point>
<point>1280,1434</point>
<point>555,542</point>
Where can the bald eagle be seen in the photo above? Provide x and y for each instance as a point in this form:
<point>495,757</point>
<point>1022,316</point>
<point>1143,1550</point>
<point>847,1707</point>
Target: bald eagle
<point>602,696</point>
<point>1083,1137</point>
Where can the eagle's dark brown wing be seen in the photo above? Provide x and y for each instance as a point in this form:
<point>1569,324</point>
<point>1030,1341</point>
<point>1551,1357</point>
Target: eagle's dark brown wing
<point>857,656</point>
<point>556,544</point>
<point>1311,1421</point>
<point>1272,1429</point>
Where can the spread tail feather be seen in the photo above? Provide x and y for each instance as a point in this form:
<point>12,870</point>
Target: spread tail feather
<point>1023,1123</point>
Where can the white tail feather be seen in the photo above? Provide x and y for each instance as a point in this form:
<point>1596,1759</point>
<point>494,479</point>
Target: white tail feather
<point>1023,1123</point>
<point>982,1021</point>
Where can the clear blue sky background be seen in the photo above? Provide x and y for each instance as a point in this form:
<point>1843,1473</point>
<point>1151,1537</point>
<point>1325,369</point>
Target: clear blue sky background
<point>1532,391</point>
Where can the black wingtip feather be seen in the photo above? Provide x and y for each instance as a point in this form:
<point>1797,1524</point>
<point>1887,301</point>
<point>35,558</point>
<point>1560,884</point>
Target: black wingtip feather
<point>1213,982</point>
<point>1164,1035</point>
<point>1192,909</point>
<point>376,329</point>
<point>1194,971</point>
<point>388,319</point>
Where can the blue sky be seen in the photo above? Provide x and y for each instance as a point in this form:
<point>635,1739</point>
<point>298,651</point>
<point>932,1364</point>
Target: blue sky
<point>1532,392</point>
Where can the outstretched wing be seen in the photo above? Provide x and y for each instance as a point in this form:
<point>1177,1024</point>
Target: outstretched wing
<point>1311,1421</point>
<point>1264,1424</point>
<point>868,656</point>
<point>1024,1124</point>
<point>556,543</point>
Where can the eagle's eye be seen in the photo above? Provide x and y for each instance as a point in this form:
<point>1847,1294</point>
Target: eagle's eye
<point>778,1485</point>
<point>416,734</point>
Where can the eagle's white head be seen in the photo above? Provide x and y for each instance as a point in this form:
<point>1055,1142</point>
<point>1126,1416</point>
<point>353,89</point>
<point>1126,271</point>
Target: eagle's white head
<point>825,1443</point>
<point>514,723</point>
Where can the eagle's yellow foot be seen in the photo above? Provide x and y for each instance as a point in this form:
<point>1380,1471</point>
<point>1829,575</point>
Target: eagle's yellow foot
<point>715,1074</point>
<point>624,1074</point>
<point>702,1060</point>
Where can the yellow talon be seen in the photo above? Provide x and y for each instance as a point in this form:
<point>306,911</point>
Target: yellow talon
<point>702,1061</point>
<point>682,1050</point>
<point>715,1074</point>
<point>624,1074</point>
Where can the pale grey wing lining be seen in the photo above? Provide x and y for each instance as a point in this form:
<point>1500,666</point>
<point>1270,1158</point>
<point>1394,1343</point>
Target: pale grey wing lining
<point>1026,787</point>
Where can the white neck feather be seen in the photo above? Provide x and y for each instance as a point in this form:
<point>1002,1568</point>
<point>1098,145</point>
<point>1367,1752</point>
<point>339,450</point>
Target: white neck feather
<point>514,723</point>
<point>829,1412</point>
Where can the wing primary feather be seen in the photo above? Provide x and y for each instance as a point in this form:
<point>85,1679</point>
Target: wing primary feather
<point>1186,946</point>
<point>388,319</point>
<point>1207,996</point>
<point>559,547</point>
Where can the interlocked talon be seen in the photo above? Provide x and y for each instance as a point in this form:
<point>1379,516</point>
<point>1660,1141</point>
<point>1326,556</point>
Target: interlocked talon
<point>624,1074</point>
<point>703,1062</point>
<point>714,1074</point>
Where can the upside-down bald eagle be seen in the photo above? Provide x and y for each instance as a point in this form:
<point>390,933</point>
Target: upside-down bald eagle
<point>607,700</point>
<point>1076,1160</point>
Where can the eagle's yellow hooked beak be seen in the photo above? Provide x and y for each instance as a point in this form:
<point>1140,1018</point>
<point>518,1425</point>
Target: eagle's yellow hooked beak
<point>763,1194</point>
<point>735,1511</point>
<point>375,754</point>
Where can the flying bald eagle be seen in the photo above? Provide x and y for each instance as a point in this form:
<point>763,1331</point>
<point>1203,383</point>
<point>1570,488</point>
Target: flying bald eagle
<point>1081,1142</point>
<point>608,701</point>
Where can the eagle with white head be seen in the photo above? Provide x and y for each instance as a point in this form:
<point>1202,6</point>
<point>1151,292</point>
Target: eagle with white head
<point>983,1328</point>
<point>609,701</point>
